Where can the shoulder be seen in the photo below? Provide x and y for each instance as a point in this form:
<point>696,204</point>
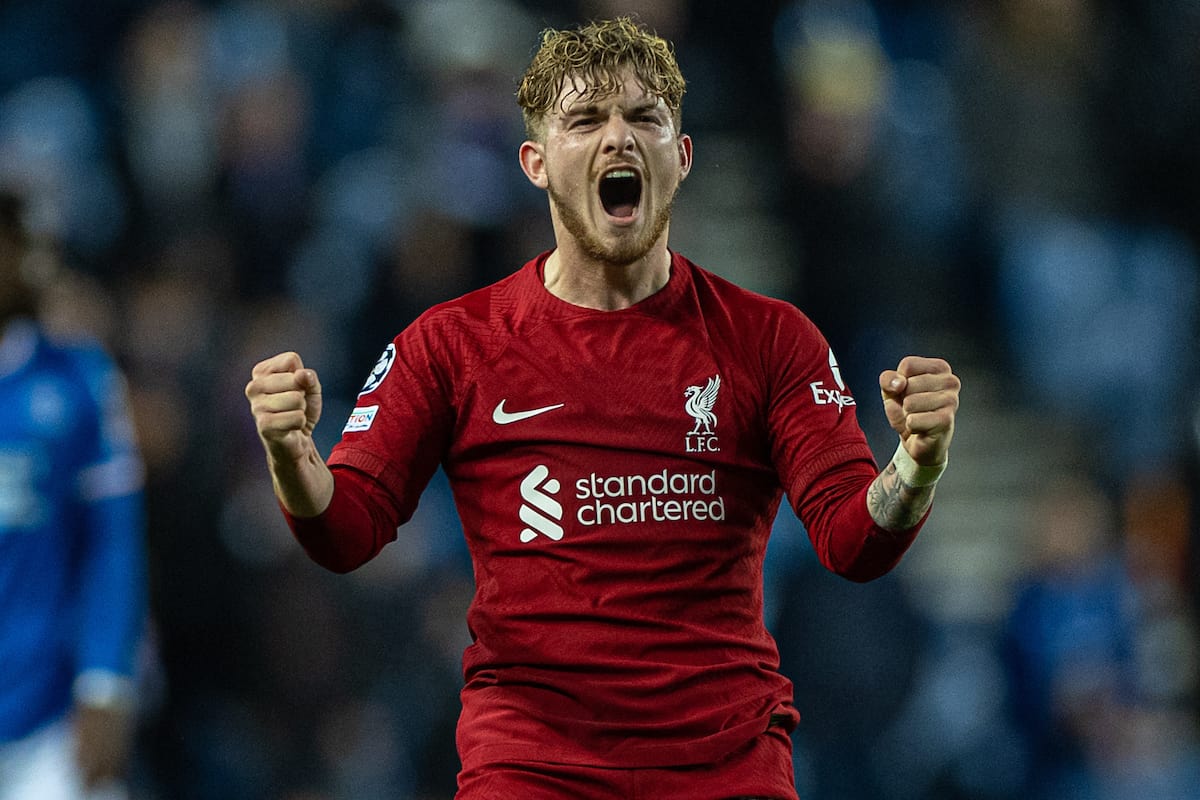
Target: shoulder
<point>457,334</point>
<point>489,315</point>
<point>88,355</point>
<point>480,306</point>
<point>78,359</point>
<point>88,361</point>
<point>770,315</point>
<point>74,383</point>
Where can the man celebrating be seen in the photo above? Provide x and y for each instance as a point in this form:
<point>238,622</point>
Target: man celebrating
<point>618,426</point>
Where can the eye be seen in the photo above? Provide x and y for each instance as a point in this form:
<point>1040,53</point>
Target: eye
<point>581,122</point>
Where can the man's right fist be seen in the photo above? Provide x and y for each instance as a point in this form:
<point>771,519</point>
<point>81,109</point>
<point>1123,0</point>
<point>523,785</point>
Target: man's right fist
<point>285,399</point>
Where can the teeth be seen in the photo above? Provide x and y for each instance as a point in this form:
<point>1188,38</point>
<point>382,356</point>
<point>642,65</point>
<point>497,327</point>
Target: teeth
<point>620,173</point>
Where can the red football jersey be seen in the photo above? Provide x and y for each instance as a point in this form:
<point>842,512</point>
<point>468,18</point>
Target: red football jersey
<point>617,474</point>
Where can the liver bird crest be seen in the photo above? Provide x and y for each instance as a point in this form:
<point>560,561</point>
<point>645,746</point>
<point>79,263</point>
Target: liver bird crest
<point>699,404</point>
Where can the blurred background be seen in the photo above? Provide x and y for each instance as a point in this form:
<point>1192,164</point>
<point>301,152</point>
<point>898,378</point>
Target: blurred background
<point>1013,185</point>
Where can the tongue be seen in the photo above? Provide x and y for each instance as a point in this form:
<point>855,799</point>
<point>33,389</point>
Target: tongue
<point>622,209</point>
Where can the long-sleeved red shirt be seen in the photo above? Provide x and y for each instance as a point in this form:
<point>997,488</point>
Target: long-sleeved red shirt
<point>617,474</point>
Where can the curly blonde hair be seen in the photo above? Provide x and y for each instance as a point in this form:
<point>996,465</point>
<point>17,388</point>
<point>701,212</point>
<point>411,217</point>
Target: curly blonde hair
<point>597,53</point>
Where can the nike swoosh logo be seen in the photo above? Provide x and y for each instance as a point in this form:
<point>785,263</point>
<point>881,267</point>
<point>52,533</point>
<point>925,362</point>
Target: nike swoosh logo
<point>502,417</point>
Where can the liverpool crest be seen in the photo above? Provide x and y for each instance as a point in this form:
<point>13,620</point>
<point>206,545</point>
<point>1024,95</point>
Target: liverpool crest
<point>699,402</point>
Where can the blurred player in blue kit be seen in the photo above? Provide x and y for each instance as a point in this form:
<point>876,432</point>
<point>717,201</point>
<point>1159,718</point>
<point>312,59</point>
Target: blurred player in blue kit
<point>72,553</point>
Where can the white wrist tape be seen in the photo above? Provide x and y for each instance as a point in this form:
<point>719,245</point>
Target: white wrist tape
<point>912,473</point>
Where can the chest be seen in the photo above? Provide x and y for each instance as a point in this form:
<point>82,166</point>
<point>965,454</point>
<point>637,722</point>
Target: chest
<point>647,389</point>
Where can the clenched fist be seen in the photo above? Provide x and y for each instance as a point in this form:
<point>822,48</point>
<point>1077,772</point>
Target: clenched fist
<point>920,399</point>
<point>285,399</point>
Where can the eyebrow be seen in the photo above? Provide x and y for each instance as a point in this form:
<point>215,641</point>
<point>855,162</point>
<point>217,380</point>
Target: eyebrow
<point>592,108</point>
<point>658,104</point>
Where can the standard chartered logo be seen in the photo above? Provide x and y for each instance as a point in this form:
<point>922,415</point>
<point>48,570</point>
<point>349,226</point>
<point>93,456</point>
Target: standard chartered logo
<point>661,497</point>
<point>620,500</point>
<point>540,511</point>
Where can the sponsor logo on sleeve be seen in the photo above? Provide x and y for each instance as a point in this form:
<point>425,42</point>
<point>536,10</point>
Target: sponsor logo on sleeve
<point>382,367</point>
<point>828,396</point>
<point>361,418</point>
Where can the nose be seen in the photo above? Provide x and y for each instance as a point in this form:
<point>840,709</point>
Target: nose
<point>618,135</point>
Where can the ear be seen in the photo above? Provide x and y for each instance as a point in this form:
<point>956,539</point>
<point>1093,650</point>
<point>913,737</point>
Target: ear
<point>533,163</point>
<point>685,155</point>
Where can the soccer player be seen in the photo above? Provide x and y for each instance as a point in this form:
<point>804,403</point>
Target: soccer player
<point>72,556</point>
<point>618,426</point>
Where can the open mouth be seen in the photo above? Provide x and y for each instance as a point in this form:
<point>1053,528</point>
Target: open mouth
<point>620,192</point>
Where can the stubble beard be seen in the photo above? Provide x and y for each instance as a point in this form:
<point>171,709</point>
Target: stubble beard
<point>627,249</point>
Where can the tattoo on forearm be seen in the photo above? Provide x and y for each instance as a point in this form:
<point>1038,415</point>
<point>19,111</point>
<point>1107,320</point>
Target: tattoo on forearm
<point>893,504</point>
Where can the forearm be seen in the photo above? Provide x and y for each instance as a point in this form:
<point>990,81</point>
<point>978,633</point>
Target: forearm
<point>845,537</point>
<point>303,486</point>
<point>902,493</point>
<point>353,527</point>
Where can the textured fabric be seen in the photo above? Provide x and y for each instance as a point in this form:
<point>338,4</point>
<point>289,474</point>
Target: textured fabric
<point>617,474</point>
<point>761,769</point>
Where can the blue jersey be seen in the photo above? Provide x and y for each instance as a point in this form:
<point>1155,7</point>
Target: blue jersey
<point>72,538</point>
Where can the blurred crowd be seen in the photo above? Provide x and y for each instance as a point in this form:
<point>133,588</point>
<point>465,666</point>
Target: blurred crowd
<point>1013,185</point>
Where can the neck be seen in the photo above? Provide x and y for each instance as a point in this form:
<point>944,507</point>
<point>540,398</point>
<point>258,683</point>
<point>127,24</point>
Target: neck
<point>582,280</point>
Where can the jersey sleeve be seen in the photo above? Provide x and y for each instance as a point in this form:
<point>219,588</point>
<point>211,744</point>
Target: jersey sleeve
<point>398,432</point>
<point>356,525</point>
<point>812,425</point>
<point>845,537</point>
<point>112,557</point>
<point>821,453</point>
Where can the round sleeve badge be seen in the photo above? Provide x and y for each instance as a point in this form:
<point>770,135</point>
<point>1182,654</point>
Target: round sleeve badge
<point>380,370</point>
